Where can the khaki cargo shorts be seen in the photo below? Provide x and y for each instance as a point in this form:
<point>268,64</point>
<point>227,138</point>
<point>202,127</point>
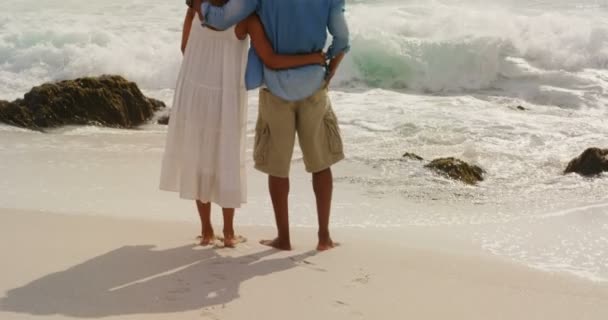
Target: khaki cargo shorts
<point>315,123</point>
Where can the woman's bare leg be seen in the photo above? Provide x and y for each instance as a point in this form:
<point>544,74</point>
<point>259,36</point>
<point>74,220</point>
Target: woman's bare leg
<point>229,237</point>
<point>204,212</point>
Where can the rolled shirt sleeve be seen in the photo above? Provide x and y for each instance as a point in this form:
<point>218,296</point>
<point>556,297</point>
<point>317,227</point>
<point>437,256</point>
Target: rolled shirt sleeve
<point>230,14</point>
<point>338,28</point>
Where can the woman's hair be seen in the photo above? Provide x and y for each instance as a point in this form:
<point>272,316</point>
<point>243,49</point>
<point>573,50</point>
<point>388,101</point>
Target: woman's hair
<point>218,3</point>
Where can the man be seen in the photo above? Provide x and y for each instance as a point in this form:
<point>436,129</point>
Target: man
<point>294,100</point>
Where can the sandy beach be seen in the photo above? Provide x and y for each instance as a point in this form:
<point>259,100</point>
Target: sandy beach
<point>64,266</point>
<point>85,233</point>
<point>516,88</point>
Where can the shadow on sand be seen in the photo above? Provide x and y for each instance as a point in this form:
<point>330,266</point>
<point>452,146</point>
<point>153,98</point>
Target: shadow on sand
<point>141,280</point>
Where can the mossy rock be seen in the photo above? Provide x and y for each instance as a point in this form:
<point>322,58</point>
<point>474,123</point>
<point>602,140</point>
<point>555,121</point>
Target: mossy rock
<point>412,156</point>
<point>456,169</point>
<point>164,120</point>
<point>591,162</point>
<point>110,101</point>
<point>12,114</point>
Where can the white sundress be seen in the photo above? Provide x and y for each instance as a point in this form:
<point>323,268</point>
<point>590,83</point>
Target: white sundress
<point>205,150</point>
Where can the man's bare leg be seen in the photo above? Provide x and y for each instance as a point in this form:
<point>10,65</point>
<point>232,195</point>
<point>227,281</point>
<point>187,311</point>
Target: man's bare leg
<point>204,212</point>
<point>322,183</point>
<point>279,192</point>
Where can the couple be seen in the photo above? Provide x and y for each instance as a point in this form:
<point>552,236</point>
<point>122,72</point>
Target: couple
<point>205,152</point>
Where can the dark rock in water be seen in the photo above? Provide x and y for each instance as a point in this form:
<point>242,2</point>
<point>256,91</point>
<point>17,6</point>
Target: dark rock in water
<point>164,119</point>
<point>157,104</point>
<point>457,170</point>
<point>12,114</point>
<point>521,108</point>
<point>110,101</point>
<point>4,105</point>
<point>412,156</point>
<point>590,163</point>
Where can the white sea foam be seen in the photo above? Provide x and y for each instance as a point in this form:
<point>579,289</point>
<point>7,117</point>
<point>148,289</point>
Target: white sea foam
<point>494,46</point>
<point>546,53</point>
<point>67,39</point>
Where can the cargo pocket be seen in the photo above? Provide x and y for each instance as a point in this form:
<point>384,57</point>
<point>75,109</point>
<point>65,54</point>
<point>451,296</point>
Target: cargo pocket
<point>333,133</point>
<point>260,149</point>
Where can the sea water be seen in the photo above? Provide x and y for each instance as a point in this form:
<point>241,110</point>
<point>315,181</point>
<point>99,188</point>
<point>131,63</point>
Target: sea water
<point>437,78</point>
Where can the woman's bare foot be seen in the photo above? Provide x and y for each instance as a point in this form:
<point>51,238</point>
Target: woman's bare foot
<point>232,241</point>
<point>229,241</point>
<point>277,243</point>
<point>206,239</point>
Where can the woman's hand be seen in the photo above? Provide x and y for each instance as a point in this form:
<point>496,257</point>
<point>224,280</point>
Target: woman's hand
<point>196,5</point>
<point>187,27</point>
<point>183,47</point>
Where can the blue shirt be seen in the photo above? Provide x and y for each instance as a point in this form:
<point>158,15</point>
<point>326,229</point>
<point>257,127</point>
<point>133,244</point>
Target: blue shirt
<point>293,27</point>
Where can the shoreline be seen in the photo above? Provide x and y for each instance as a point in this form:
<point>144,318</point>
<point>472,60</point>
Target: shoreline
<point>94,171</point>
<point>59,266</point>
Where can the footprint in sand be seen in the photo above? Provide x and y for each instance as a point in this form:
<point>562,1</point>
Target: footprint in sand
<point>209,315</point>
<point>307,264</point>
<point>339,303</point>
<point>362,278</point>
<point>348,308</point>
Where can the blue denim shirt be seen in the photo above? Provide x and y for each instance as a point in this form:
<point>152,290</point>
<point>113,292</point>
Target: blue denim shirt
<point>293,27</point>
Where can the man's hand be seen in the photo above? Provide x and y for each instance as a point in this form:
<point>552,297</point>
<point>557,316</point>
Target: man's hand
<point>330,76</point>
<point>333,68</point>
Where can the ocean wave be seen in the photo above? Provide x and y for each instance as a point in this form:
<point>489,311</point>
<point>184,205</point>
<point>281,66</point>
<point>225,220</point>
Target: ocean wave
<point>110,37</point>
<point>546,54</point>
<point>545,57</point>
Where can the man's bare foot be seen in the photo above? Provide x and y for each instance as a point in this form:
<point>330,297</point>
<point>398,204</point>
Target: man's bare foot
<point>326,243</point>
<point>326,246</point>
<point>277,243</point>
